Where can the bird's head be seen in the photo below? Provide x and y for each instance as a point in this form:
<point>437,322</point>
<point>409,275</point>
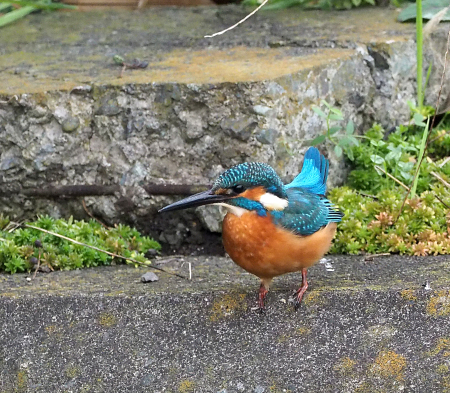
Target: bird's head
<point>248,186</point>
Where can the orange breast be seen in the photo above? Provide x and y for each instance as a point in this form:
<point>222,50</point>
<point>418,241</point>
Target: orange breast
<point>265,250</point>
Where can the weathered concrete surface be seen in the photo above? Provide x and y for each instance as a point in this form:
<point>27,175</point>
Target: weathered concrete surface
<point>200,106</point>
<point>366,326</point>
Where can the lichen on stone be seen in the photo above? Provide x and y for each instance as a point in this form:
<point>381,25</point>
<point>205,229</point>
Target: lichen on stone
<point>389,364</point>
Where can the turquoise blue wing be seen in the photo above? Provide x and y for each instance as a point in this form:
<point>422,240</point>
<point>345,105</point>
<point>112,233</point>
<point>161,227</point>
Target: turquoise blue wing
<point>306,212</point>
<point>313,176</point>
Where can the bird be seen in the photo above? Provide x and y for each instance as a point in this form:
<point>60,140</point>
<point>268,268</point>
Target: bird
<point>272,228</point>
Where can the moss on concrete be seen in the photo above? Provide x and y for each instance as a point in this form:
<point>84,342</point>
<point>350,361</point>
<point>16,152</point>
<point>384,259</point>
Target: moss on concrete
<point>182,336</point>
<point>171,40</point>
<point>106,319</point>
<point>439,304</point>
<point>389,364</point>
<point>227,306</point>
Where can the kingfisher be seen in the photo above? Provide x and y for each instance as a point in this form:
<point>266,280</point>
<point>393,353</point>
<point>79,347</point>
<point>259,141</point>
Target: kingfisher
<point>273,228</point>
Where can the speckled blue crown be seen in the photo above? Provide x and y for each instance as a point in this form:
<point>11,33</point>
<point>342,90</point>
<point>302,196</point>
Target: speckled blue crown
<point>251,174</point>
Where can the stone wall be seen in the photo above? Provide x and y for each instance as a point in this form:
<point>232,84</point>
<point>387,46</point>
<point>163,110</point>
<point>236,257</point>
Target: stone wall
<point>133,132</point>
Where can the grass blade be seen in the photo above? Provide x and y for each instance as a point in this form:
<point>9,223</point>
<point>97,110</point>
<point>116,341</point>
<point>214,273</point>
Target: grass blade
<point>4,6</point>
<point>420,158</point>
<point>15,15</point>
<point>39,4</point>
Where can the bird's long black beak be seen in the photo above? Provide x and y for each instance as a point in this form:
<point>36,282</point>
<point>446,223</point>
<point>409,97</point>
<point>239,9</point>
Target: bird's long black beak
<point>200,199</point>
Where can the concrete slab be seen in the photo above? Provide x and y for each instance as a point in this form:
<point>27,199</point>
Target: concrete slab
<point>59,51</point>
<point>364,326</point>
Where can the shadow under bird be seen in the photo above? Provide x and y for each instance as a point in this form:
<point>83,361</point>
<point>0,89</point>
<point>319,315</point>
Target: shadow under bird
<point>271,228</point>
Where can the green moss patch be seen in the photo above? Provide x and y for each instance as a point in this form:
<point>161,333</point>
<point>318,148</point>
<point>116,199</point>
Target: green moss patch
<point>22,248</point>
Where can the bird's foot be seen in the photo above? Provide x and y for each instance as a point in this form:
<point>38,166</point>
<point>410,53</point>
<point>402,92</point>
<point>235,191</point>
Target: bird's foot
<point>262,295</point>
<point>298,296</point>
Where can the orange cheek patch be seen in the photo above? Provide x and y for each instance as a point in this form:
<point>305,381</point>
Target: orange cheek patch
<point>254,193</point>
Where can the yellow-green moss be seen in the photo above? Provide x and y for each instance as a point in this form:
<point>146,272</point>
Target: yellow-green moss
<point>442,369</point>
<point>303,330</point>
<point>312,298</point>
<point>439,304</point>
<point>345,365</point>
<point>186,386</point>
<point>107,320</point>
<point>22,380</point>
<point>442,348</point>
<point>445,382</point>
<point>409,294</point>
<point>72,372</point>
<point>50,329</point>
<point>227,305</point>
<point>389,364</point>
<point>300,331</point>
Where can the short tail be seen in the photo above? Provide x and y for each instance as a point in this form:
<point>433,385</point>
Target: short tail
<point>313,176</point>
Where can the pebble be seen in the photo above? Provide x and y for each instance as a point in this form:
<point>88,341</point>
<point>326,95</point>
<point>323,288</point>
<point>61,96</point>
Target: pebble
<point>149,277</point>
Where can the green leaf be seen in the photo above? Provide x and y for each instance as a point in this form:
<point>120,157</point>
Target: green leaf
<point>323,102</point>
<point>350,129</point>
<point>279,5</point>
<point>377,159</point>
<point>353,140</point>
<point>345,141</point>
<point>4,6</point>
<point>336,117</point>
<point>317,140</point>
<point>350,155</point>
<point>40,4</point>
<point>319,111</point>
<point>334,129</point>
<point>418,120</point>
<point>338,151</point>
<point>336,111</point>
<point>15,15</point>
<point>429,9</point>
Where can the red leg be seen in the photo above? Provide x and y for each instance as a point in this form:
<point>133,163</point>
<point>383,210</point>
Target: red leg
<point>262,295</point>
<point>263,290</point>
<point>301,291</point>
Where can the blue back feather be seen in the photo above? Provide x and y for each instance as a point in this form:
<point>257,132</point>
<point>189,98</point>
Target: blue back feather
<point>313,176</point>
<point>308,210</point>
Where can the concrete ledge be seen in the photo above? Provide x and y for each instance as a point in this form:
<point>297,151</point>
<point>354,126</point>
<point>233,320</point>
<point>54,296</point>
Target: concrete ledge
<point>365,326</point>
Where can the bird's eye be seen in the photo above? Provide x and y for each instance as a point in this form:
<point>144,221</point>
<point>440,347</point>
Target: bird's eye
<point>238,188</point>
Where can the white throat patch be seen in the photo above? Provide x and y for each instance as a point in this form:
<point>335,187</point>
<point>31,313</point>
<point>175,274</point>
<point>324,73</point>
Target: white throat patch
<point>236,210</point>
<point>272,202</point>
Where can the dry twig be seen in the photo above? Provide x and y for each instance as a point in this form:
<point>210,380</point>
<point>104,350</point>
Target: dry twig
<point>440,200</point>
<point>440,179</point>
<point>241,21</point>
<point>392,177</point>
<point>447,159</point>
<point>37,265</point>
<point>371,257</point>
<point>99,249</point>
<point>92,216</point>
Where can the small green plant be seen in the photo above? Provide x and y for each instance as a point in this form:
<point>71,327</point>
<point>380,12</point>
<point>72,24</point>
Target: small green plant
<point>23,248</point>
<point>372,223</point>
<point>343,137</point>
<point>322,4</point>
<point>370,226</point>
<point>397,154</point>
